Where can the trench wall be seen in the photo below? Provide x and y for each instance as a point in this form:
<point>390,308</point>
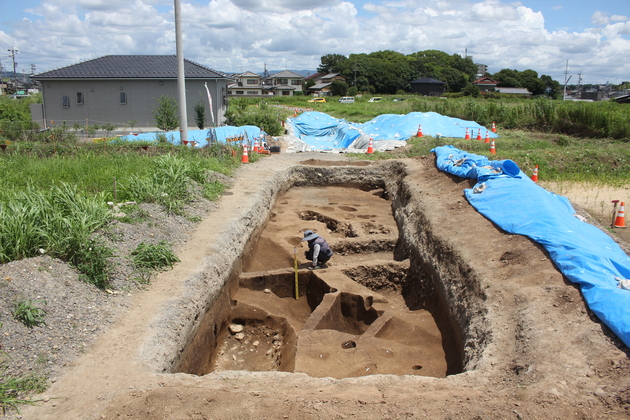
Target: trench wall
<point>444,271</point>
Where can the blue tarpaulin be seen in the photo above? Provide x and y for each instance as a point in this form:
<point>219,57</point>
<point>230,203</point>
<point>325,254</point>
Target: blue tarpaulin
<point>201,137</point>
<point>582,252</point>
<point>320,131</point>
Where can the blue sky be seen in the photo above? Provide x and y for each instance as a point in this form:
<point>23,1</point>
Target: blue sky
<point>241,35</point>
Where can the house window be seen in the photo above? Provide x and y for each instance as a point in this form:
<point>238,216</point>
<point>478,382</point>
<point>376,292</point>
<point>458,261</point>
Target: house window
<point>252,92</point>
<point>65,101</point>
<point>285,93</point>
<point>296,82</point>
<point>283,81</point>
<point>252,81</point>
<point>79,98</point>
<point>122,98</point>
<point>239,92</point>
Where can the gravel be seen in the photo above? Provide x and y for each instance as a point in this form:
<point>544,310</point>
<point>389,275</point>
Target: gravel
<point>76,313</point>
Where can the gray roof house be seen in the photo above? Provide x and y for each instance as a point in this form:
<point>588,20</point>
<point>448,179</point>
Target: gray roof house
<point>428,86</point>
<point>122,88</point>
<point>285,83</point>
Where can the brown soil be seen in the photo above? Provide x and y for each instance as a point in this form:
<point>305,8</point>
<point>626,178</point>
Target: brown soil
<point>526,344</point>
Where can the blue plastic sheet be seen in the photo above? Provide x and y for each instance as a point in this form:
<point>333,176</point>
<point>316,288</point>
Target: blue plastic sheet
<point>201,138</point>
<point>323,132</point>
<point>582,252</point>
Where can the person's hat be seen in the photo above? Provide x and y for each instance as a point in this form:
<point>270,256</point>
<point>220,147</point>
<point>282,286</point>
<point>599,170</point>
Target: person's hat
<point>309,235</point>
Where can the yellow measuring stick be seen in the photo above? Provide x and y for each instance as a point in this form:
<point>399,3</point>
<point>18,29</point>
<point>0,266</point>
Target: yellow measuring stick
<point>295,266</point>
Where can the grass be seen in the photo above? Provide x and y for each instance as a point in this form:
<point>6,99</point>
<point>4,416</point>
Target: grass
<point>603,119</point>
<point>55,204</point>
<point>149,258</point>
<point>14,389</point>
<point>28,313</point>
<point>559,157</point>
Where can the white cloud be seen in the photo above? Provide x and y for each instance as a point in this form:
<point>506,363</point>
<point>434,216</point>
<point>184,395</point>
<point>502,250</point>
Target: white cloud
<point>239,35</point>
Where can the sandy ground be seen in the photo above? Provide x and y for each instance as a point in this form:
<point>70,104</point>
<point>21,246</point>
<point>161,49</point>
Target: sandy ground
<point>531,348</point>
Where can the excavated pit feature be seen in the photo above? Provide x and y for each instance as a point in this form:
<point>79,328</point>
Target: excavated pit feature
<point>361,314</point>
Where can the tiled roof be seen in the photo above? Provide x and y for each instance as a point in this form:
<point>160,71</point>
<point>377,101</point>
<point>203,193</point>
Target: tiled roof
<point>131,66</point>
<point>319,86</point>
<point>428,80</point>
<point>485,80</point>
<point>248,74</point>
<point>314,76</point>
<point>513,90</point>
<point>285,73</point>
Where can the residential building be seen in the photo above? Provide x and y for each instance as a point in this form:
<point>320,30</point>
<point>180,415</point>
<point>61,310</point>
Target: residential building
<point>286,83</point>
<point>122,88</point>
<point>486,84</point>
<point>428,86</point>
<point>514,91</point>
<point>322,87</point>
<point>248,84</point>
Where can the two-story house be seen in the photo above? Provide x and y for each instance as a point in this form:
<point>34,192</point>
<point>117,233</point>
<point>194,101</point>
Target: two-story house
<point>286,83</point>
<point>248,83</point>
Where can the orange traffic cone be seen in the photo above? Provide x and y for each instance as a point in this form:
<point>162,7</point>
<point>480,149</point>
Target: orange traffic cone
<point>467,135</point>
<point>479,134</point>
<point>256,146</point>
<point>494,127</point>
<point>295,113</point>
<point>535,175</point>
<point>620,221</point>
<point>245,158</point>
<point>370,146</point>
<point>487,137</point>
<point>419,134</point>
<point>493,150</point>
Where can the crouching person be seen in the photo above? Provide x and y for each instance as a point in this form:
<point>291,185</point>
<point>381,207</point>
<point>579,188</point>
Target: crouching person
<point>318,250</point>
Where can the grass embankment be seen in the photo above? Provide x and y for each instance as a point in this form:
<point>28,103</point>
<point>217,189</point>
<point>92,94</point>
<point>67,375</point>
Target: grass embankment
<point>55,204</point>
<point>603,119</point>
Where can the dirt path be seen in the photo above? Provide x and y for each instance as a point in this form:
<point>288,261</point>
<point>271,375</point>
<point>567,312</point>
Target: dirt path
<point>530,347</point>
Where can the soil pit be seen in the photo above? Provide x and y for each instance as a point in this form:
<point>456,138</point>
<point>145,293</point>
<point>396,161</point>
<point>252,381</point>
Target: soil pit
<point>352,317</point>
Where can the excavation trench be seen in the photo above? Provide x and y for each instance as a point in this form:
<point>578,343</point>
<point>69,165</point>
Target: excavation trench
<point>392,300</point>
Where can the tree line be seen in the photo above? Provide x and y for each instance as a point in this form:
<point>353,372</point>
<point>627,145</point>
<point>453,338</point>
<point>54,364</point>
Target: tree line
<point>390,72</point>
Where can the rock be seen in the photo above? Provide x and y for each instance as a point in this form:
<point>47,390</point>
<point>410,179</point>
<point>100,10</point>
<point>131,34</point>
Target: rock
<point>235,328</point>
<point>600,392</point>
<point>239,336</point>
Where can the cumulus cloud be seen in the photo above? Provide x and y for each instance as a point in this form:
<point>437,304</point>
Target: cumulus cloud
<point>240,35</point>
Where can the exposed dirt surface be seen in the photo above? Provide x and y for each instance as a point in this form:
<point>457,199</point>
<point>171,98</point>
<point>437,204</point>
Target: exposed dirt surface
<point>527,345</point>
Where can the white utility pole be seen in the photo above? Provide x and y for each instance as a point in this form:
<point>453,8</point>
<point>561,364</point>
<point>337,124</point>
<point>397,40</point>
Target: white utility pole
<point>566,81</point>
<point>181,79</point>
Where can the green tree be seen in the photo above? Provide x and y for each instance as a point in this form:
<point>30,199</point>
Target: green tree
<point>200,114</point>
<point>331,63</point>
<point>165,113</point>
<point>507,78</point>
<point>338,88</point>
<point>471,90</point>
<point>552,87</point>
